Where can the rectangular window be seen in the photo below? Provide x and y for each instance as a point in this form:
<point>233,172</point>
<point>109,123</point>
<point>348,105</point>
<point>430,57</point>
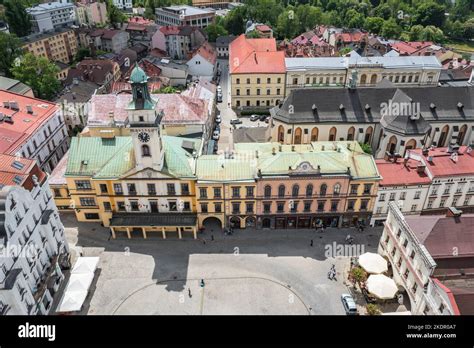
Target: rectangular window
<point>236,208</point>
<point>173,205</point>
<point>218,207</point>
<point>217,192</point>
<point>83,185</point>
<point>132,190</point>
<point>203,192</point>
<point>392,196</point>
<point>403,195</point>
<point>236,192</point>
<point>249,208</point>
<point>151,189</point>
<point>364,204</point>
<point>204,208</point>
<point>171,189</point>
<point>249,190</point>
<point>134,205</point>
<point>280,207</point>
<point>294,206</point>
<point>321,206</point>
<point>118,189</point>
<point>382,197</point>
<point>334,205</point>
<point>307,206</point>
<point>87,201</point>
<point>354,189</point>
<point>267,207</point>
<point>107,206</point>
<point>121,206</point>
<point>91,216</point>
<point>103,188</point>
<point>414,207</point>
<point>417,194</point>
<point>351,204</point>
<point>185,189</point>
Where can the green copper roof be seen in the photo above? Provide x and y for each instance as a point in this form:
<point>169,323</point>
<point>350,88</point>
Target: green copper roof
<point>100,157</point>
<point>179,160</point>
<point>217,168</point>
<point>332,158</point>
<point>138,75</point>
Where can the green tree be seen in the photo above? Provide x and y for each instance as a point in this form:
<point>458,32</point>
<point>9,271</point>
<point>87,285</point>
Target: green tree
<point>116,17</point>
<point>354,19</point>
<point>253,34</point>
<point>415,32</point>
<point>372,309</point>
<point>430,13</point>
<point>17,18</point>
<point>38,73</point>
<point>309,16</point>
<point>366,148</point>
<point>213,31</point>
<point>10,49</point>
<point>287,24</point>
<point>432,33</point>
<point>235,21</point>
<point>358,275</point>
<point>374,24</point>
<point>149,9</point>
<point>384,11</point>
<point>82,53</point>
<point>390,29</point>
<point>468,29</point>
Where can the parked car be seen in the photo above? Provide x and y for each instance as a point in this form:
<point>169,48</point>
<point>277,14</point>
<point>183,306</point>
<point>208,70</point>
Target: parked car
<point>349,304</point>
<point>263,117</point>
<point>219,89</point>
<point>254,118</point>
<point>218,119</point>
<point>267,120</point>
<point>219,98</point>
<point>215,135</point>
<point>235,121</point>
<point>218,128</point>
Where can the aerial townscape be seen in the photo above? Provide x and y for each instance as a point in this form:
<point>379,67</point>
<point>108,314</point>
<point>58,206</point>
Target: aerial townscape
<point>258,157</point>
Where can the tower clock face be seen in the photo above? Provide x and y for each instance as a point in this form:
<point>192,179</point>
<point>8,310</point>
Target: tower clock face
<point>143,137</point>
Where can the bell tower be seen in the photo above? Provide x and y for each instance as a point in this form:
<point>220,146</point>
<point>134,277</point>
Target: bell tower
<point>144,123</point>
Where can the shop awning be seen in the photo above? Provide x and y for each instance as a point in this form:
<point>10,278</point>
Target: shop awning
<point>153,219</point>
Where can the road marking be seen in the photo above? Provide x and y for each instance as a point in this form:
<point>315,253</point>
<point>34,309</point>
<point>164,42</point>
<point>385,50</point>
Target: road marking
<point>201,305</point>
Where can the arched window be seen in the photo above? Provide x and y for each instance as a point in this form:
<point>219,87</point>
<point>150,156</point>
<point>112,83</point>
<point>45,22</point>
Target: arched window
<point>323,190</point>
<point>314,134</point>
<point>332,134</point>
<point>268,191</point>
<point>281,191</point>
<point>363,79</point>
<point>298,135</point>
<point>373,79</point>
<point>462,134</point>
<point>444,136</point>
<point>281,134</point>
<point>145,151</point>
<point>368,135</point>
<point>392,144</point>
<point>309,190</point>
<point>337,189</point>
<point>295,191</point>
<point>350,133</point>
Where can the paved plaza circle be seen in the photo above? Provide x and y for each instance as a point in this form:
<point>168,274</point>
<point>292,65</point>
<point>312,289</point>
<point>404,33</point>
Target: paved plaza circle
<point>218,296</point>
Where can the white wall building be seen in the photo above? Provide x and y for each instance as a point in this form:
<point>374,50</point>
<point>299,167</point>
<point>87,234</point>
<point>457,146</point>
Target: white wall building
<point>338,71</point>
<point>32,128</point>
<point>203,64</point>
<point>33,248</point>
<point>412,265</point>
<point>52,15</point>
<point>124,5</point>
<point>184,15</point>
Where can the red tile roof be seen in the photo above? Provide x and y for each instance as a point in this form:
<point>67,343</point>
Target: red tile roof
<point>410,47</point>
<point>170,30</point>
<point>399,173</point>
<point>207,52</point>
<point>443,165</point>
<point>255,56</point>
<point>25,125</point>
<point>17,171</point>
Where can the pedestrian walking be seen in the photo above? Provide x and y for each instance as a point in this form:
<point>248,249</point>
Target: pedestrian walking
<point>212,237</point>
<point>189,293</point>
<point>311,242</point>
<point>202,283</point>
<point>110,235</point>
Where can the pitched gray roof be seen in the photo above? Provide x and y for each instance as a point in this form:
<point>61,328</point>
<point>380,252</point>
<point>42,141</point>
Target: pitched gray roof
<point>364,105</point>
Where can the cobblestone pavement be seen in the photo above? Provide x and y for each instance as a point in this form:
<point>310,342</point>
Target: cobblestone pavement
<point>250,272</point>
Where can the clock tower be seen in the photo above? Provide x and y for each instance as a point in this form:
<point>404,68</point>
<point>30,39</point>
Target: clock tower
<point>144,123</point>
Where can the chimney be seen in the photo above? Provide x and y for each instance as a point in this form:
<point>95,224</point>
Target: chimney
<point>29,109</point>
<point>420,169</point>
<point>453,212</point>
<point>293,148</point>
<point>273,151</point>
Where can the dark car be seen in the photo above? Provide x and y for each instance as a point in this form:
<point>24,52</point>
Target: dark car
<point>263,117</point>
<point>235,121</point>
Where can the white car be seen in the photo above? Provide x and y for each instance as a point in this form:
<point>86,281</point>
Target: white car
<point>218,119</point>
<point>215,136</point>
<point>254,118</point>
<point>219,89</point>
<point>349,304</point>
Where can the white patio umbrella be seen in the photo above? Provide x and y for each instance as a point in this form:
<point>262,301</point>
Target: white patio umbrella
<point>373,263</point>
<point>381,286</point>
